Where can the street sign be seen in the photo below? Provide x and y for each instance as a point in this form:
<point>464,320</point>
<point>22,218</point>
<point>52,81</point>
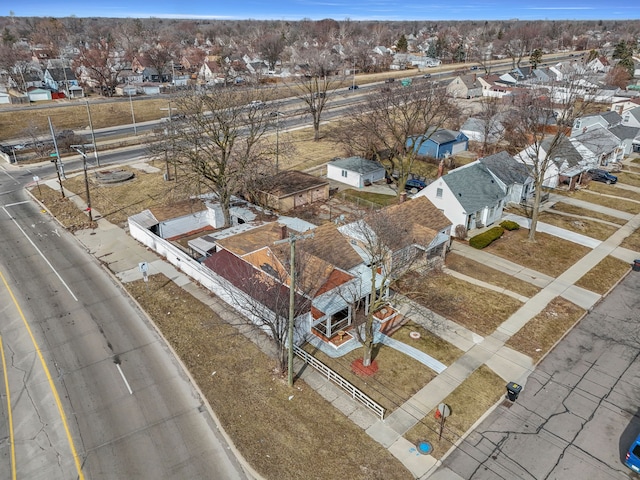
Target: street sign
<point>444,410</point>
<point>144,267</point>
<point>36,178</point>
<point>53,154</point>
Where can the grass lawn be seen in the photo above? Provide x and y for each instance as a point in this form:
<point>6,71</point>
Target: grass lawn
<point>281,438</point>
<point>586,213</point>
<point>379,199</point>
<point>632,242</point>
<point>398,377</point>
<point>617,201</point>
<point>545,329</point>
<point>548,254</point>
<point>584,226</point>
<point>428,343</point>
<point>477,308</point>
<point>468,403</point>
<point>601,278</point>
<point>629,178</point>
<point>490,275</point>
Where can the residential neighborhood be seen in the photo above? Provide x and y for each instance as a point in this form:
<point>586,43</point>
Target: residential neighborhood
<point>349,249</point>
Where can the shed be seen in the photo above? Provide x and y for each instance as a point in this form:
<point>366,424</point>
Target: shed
<point>292,189</point>
<point>39,94</point>
<point>355,171</point>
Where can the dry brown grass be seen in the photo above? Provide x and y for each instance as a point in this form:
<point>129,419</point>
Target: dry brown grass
<point>584,226</point>
<point>608,196</point>
<point>477,308</point>
<point>397,379</point>
<point>629,178</point>
<point>548,254</point>
<point>428,343</point>
<point>632,242</point>
<point>117,202</point>
<point>601,278</point>
<point>542,332</point>
<point>468,402</point>
<point>281,438</point>
<point>466,266</point>
<point>67,213</point>
<point>585,213</point>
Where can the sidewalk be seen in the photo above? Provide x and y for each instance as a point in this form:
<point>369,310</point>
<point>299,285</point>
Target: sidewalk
<point>121,254</point>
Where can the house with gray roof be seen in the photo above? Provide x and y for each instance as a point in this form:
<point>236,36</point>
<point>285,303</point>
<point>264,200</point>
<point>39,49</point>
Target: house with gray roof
<point>566,161</point>
<point>631,117</point>
<point>605,119</point>
<point>513,176</point>
<point>469,195</point>
<point>598,145</point>
<point>464,86</point>
<point>355,171</point>
<point>629,138</point>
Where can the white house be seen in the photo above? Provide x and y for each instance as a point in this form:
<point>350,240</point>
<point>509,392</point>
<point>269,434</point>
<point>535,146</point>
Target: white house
<point>602,146</point>
<point>469,195</point>
<point>605,119</point>
<point>631,118</point>
<point>355,171</point>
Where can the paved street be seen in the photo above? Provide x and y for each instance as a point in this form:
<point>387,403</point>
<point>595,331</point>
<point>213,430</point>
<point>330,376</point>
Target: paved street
<point>578,412</point>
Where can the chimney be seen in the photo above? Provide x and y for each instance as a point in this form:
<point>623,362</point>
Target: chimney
<point>403,197</point>
<point>283,232</point>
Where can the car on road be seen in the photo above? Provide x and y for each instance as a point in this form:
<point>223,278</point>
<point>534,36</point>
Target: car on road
<point>632,459</point>
<point>389,80</point>
<point>414,185</point>
<point>603,176</point>
<point>426,75</point>
<point>354,87</point>
<point>256,104</point>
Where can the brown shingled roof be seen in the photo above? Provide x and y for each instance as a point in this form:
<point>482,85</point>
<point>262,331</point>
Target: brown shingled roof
<point>289,182</point>
<point>254,239</point>
<point>331,246</point>
<point>178,209</point>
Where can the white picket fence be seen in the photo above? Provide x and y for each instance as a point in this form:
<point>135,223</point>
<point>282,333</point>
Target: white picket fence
<point>355,393</point>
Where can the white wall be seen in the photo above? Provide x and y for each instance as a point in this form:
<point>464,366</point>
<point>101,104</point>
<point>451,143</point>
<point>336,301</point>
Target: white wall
<point>448,204</point>
<point>352,178</point>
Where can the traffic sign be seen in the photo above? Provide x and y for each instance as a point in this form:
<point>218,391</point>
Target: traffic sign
<point>53,154</point>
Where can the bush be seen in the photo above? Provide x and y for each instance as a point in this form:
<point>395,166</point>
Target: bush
<point>485,239</point>
<point>460,232</point>
<point>510,225</point>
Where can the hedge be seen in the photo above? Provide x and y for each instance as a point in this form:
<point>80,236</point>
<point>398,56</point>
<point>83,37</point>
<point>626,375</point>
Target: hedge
<point>485,239</point>
<point>509,225</point>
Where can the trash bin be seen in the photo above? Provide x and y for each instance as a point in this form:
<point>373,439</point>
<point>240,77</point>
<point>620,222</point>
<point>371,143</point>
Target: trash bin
<point>636,265</point>
<point>513,390</point>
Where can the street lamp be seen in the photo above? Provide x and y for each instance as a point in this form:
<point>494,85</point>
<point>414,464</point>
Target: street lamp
<point>277,115</point>
<point>86,178</point>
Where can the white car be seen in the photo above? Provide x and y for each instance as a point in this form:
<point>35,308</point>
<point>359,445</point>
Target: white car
<point>257,104</point>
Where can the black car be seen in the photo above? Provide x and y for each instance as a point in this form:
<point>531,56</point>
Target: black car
<point>603,176</point>
<point>354,87</point>
<point>414,185</point>
<point>389,80</point>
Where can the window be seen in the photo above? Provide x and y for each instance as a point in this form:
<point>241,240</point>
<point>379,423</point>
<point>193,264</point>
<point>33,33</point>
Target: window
<point>438,193</point>
<point>344,173</point>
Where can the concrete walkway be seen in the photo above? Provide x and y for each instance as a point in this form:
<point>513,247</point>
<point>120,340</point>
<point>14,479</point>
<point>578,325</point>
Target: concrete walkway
<point>121,254</point>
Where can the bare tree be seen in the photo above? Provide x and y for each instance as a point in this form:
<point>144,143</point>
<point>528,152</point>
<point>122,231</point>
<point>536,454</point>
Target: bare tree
<point>491,113</point>
<point>316,85</point>
<point>540,120</point>
<point>392,125</point>
<point>16,62</point>
<point>219,140</point>
<point>103,64</point>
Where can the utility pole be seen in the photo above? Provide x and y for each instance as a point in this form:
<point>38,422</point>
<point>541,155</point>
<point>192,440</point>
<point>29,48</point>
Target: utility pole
<point>58,161</point>
<point>168,131</point>
<point>133,117</point>
<point>86,178</point>
<point>292,298</point>
<point>93,135</point>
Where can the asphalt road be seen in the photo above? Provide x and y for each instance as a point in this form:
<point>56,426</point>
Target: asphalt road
<point>89,390</point>
<point>578,412</point>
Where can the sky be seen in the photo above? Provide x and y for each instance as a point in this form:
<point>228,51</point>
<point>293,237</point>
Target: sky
<point>336,9</point>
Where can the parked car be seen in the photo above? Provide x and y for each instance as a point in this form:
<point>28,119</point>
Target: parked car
<point>354,87</point>
<point>603,176</point>
<point>632,459</point>
<point>414,185</point>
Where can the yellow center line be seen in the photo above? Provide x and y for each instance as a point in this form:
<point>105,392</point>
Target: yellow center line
<point>9,412</point>
<point>63,417</point>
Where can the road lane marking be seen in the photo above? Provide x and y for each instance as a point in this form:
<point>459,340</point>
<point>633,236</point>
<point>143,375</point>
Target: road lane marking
<point>41,254</point>
<point>16,203</point>
<point>124,379</point>
<point>9,412</point>
<point>54,391</point>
